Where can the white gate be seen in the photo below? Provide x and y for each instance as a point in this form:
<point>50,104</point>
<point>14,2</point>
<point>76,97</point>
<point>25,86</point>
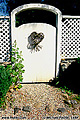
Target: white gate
<point>40,66</point>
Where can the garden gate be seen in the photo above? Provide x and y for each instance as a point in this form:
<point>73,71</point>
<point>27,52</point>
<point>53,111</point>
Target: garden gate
<point>39,66</point>
<point>67,48</point>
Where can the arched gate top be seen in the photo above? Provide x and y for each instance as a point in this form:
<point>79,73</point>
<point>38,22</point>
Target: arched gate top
<point>36,6</point>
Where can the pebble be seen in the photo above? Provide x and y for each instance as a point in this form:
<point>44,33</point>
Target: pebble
<point>65,96</point>
<point>47,108</point>
<point>67,101</point>
<point>26,108</point>
<point>36,99</point>
<point>75,106</point>
<point>16,110</point>
<point>73,102</point>
<point>37,104</point>
<point>66,63</point>
<point>67,107</point>
<point>50,107</point>
<point>63,91</point>
<point>61,110</point>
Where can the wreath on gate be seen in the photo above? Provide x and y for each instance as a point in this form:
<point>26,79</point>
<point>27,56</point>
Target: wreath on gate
<point>33,41</point>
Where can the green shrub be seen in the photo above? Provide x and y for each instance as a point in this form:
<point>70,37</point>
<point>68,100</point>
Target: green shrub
<point>5,82</point>
<point>17,66</point>
<point>11,74</point>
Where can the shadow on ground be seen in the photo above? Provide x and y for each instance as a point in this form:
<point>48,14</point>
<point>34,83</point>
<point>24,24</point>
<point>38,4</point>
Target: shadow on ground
<point>70,78</point>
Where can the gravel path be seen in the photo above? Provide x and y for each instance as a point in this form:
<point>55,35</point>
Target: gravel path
<point>43,101</point>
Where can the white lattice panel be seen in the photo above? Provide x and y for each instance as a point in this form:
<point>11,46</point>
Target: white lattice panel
<point>70,38</point>
<point>4,39</point>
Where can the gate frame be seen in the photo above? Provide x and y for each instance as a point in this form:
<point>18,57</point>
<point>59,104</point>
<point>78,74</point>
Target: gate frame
<point>46,7</point>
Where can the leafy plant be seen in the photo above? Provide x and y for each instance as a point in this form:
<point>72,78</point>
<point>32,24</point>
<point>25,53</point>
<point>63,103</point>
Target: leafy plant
<point>69,92</point>
<point>5,82</point>
<point>17,66</point>
<point>57,82</point>
<point>78,60</point>
<point>11,74</point>
<point>20,86</point>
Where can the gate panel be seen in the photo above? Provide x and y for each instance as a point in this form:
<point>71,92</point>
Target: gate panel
<point>40,65</point>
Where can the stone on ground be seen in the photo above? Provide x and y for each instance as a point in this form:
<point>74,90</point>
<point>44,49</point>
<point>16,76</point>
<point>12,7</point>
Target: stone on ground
<point>26,108</point>
<point>16,110</point>
<point>61,110</point>
<point>37,104</point>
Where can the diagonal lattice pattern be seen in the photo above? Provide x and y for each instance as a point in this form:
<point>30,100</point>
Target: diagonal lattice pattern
<point>70,38</point>
<point>4,39</point>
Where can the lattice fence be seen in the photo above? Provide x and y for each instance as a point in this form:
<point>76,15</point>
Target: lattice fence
<point>5,41</point>
<point>70,37</point>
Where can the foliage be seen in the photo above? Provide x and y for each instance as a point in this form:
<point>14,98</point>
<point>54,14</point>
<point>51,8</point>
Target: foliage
<point>17,66</point>
<point>56,81</point>
<point>78,60</point>
<point>11,74</point>
<point>63,83</point>
<point>77,97</point>
<point>5,82</point>
<point>67,90</point>
<point>20,86</point>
